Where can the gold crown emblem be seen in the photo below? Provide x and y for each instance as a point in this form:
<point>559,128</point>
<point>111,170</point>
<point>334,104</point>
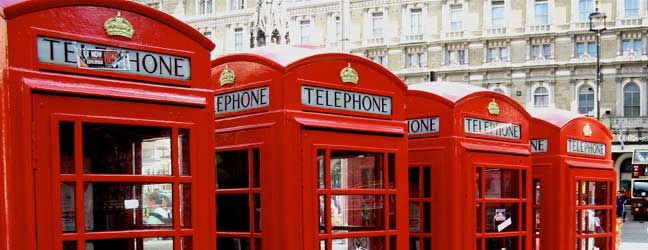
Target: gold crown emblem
<point>587,130</point>
<point>228,76</point>
<point>493,108</point>
<point>119,26</point>
<point>349,74</point>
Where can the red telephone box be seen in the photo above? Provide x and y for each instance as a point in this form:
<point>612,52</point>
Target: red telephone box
<point>573,182</point>
<point>105,108</point>
<point>469,168</point>
<point>309,147</point>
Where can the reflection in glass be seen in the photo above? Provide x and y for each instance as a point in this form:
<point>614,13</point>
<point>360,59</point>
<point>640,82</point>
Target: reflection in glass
<point>594,193</point>
<point>391,161</point>
<point>501,183</point>
<point>427,182</point>
<point>592,243</point>
<point>232,213</point>
<point>357,213</point>
<point>536,191</point>
<point>187,243</point>
<point>392,211</point>
<point>478,183</point>
<point>184,158</point>
<point>508,243</point>
<point>369,243</point>
<point>185,205</point>
<point>501,217</point>
<point>68,207</point>
<point>356,170</point>
<point>157,243</point>
<point>257,213</point>
<point>414,182</point>
<point>594,221</point>
<point>233,243</point>
<point>66,147</point>
<point>124,149</point>
<point>415,244</point>
<point>479,218</point>
<point>232,169</point>
<point>320,168</point>
<point>427,214</point>
<point>323,211</point>
<point>256,161</point>
<point>127,206</point>
<point>322,245</point>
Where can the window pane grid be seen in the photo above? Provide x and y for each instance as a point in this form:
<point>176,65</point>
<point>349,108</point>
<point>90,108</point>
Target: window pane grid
<point>75,186</point>
<point>594,218</point>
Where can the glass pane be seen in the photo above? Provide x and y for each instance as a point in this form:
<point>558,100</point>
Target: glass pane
<point>66,147</point>
<point>233,243</point>
<point>536,191</point>
<point>595,193</point>
<point>68,207</point>
<point>508,243</point>
<point>185,205</point>
<point>478,183</point>
<point>320,168</point>
<point>187,243</point>
<point>427,244</point>
<point>427,214</point>
<point>594,221</point>
<point>232,169</point>
<point>350,213</point>
<point>233,213</point>
<point>257,243</point>
<point>157,243</point>
<point>392,243</point>
<point>414,182</point>
<point>184,157</point>
<point>256,160</point>
<point>501,217</point>
<point>368,243</point>
<point>391,161</point>
<point>501,183</point>
<point>414,217</point>
<point>415,244</point>
<point>392,211</point>
<point>69,245</point>
<point>121,206</point>
<point>123,149</point>
<point>478,209</point>
<point>356,170</point>
<point>323,211</point>
<point>322,245</point>
<point>257,213</point>
<point>427,185</point>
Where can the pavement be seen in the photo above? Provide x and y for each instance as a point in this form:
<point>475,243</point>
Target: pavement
<point>634,235</point>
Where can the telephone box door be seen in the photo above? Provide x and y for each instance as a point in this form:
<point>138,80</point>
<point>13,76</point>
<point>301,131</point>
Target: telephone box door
<point>116,175</point>
<point>352,197</point>
<point>501,200</point>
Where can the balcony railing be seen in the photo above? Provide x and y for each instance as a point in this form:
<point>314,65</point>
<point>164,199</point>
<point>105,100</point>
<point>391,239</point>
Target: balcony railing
<point>629,22</point>
<point>375,41</point>
<point>496,31</point>
<point>413,38</point>
<point>538,28</point>
<point>580,25</point>
<point>454,34</point>
<point>630,129</point>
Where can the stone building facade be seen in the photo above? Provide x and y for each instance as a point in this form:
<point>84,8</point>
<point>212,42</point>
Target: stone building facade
<point>539,52</point>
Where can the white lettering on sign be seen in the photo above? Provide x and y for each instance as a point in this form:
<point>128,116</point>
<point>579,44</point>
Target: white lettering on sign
<point>94,56</point>
<point>242,100</point>
<point>539,145</point>
<point>345,100</point>
<point>423,126</point>
<point>583,147</point>
<point>491,128</point>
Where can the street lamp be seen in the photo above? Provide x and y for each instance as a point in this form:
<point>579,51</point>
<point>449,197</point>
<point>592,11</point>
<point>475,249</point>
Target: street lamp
<point>597,24</point>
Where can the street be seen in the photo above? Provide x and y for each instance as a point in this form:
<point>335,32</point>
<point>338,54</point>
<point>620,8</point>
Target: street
<point>634,235</point>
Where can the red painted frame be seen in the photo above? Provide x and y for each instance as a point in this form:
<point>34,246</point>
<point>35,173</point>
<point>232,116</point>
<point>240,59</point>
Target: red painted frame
<point>454,156</point>
<point>296,132</point>
<point>559,171</point>
<point>118,97</point>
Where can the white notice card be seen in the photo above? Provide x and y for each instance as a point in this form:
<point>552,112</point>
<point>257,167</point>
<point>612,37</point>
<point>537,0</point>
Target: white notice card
<point>131,204</point>
<point>504,225</point>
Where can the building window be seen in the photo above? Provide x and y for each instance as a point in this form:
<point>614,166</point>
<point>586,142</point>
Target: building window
<point>498,54</point>
<point>497,14</point>
<point>338,29</point>
<point>585,99</point>
<point>456,57</point>
<point>304,31</point>
<point>415,21</point>
<point>377,24</point>
<point>585,7</point>
<point>631,8</point>
<point>416,60</point>
<point>632,47</point>
<point>541,51</point>
<point>541,12</point>
<point>585,48</point>
<point>237,4</point>
<point>208,34</point>
<point>205,6</point>
<point>382,60</point>
<point>631,100</point>
<point>456,17</point>
<point>541,97</point>
<point>238,39</point>
<point>154,5</point>
<point>499,90</point>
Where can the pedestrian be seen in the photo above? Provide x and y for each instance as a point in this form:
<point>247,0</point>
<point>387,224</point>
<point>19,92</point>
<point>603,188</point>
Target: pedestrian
<point>620,202</point>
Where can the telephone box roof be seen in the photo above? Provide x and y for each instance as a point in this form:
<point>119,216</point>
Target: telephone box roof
<point>452,91</point>
<point>557,117</point>
<point>10,9</point>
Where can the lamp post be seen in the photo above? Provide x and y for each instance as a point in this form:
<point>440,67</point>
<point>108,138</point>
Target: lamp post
<point>597,24</point>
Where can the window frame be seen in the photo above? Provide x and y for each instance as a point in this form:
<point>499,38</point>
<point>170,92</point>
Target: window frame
<point>456,11</point>
<point>636,97</point>
<point>377,24</point>
<point>542,16</point>
<point>578,98</point>
<point>305,29</point>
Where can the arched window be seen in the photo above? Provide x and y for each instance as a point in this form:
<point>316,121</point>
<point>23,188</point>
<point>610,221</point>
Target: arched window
<point>499,90</point>
<point>541,97</point>
<point>631,100</point>
<point>585,99</point>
